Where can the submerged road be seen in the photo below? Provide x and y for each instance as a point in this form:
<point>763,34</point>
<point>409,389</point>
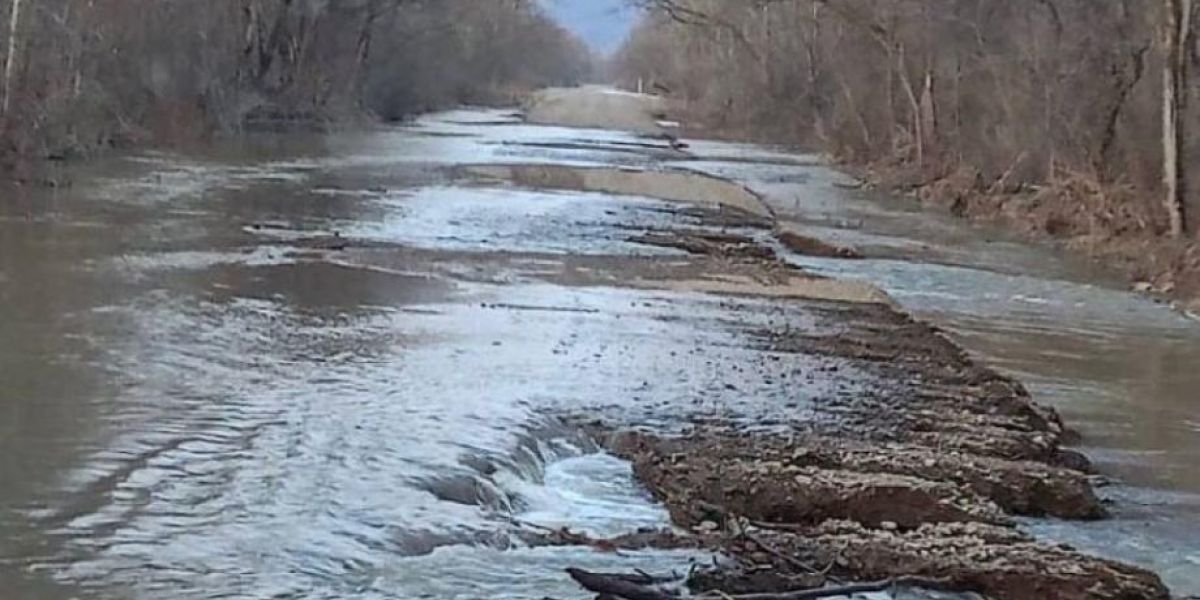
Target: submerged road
<point>303,366</point>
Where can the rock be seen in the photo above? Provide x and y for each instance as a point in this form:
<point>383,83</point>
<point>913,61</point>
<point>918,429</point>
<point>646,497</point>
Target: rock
<point>765,491</point>
<point>1020,487</point>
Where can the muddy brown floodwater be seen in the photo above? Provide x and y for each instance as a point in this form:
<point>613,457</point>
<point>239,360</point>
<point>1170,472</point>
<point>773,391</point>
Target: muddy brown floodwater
<point>295,366</point>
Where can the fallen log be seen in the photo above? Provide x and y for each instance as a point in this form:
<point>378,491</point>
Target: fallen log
<point>638,587</point>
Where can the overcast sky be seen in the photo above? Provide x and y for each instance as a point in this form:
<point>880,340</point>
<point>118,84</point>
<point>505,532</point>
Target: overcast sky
<point>601,23</point>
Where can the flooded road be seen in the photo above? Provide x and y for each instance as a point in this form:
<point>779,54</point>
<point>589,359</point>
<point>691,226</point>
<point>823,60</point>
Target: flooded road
<point>1119,367</point>
<point>323,367</point>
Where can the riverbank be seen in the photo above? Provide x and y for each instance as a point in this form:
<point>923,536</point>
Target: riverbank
<point>1112,224</point>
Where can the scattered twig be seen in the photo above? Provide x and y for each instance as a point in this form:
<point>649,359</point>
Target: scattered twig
<point>785,527</point>
<point>1002,182</point>
<point>728,516</point>
<point>785,557</point>
<point>833,563</point>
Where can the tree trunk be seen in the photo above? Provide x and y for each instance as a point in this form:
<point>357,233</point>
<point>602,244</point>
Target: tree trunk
<point>363,48</point>
<point>815,102</point>
<point>914,106</point>
<point>890,118</point>
<point>10,61</point>
<point>929,120</point>
<point>1176,33</point>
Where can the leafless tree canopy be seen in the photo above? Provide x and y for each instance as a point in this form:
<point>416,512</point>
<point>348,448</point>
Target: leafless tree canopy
<point>1016,92</point>
<point>84,73</point>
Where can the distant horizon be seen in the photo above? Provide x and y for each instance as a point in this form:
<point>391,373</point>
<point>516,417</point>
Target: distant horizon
<point>604,25</point>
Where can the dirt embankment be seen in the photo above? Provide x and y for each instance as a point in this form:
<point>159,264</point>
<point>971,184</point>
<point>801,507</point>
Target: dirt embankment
<point>912,480</point>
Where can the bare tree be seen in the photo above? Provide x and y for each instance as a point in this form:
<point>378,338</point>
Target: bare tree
<point>81,75</point>
<point>1177,31</point>
<point>10,60</point>
<point>1001,95</point>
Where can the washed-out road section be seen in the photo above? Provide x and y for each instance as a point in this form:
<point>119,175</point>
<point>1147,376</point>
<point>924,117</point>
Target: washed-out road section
<point>304,366</point>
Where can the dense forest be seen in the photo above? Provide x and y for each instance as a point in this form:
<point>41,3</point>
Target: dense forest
<point>80,74</point>
<point>1068,116</point>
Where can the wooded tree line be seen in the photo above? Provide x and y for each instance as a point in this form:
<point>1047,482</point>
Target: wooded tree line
<point>1000,95</point>
<point>79,74</point>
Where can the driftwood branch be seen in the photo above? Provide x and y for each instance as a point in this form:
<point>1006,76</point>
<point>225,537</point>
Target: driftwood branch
<point>641,587</point>
<point>619,586</point>
<point>785,557</point>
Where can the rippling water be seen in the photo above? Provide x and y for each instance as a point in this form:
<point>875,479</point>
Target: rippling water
<point>192,409</point>
<point>199,403</point>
